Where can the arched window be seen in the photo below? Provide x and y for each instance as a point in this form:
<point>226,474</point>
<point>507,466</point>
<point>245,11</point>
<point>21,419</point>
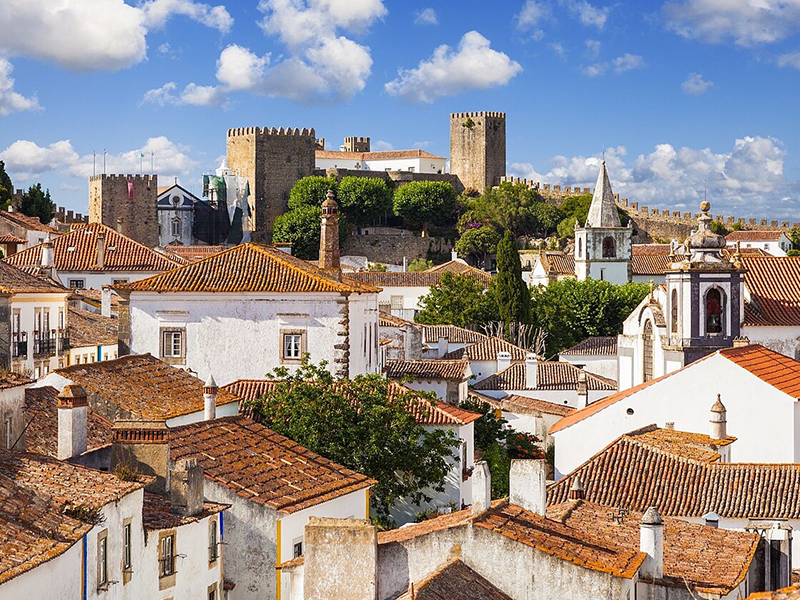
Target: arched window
<point>580,247</point>
<point>647,336</point>
<point>176,227</point>
<point>609,248</point>
<point>674,311</point>
<point>713,311</point>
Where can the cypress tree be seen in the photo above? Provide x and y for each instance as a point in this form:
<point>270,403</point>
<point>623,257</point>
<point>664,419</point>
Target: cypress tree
<point>6,187</point>
<point>513,296</point>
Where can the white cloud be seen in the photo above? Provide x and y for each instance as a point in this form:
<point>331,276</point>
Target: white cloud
<point>532,14</point>
<point>11,101</point>
<point>88,35</point>
<point>426,16</point>
<point>26,159</point>
<point>791,59</point>
<point>746,22</point>
<point>588,14</point>
<point>593,48</point>
<point>381,146</point>
<point>558,48</point>
<point>474,65</point>
<point>595,70</point>
<point>747,180</point>
<point>192,94</point>
<point>423,144</point>
<point>628,62</point>
<point>695,85</point>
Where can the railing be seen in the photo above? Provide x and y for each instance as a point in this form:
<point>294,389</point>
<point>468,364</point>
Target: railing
<point>43,345</point>
<point>63,342</point>
<point>19,345</point>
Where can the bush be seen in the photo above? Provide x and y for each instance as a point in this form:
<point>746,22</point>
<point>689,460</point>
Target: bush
<point>311,191</point>
<point>364,200</point>
<point>420,264</point>
<point>425,203</point>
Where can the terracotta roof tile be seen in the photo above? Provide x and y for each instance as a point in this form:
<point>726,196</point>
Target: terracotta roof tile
<point>749,235</point>
<point>427,368</point>
<point>10,238</point>
<point>147,387</point>
<point>550,375</point>
<point>452,333</point>
<point>454,581</point>
<point>787,593</point>
<point>774,287</point>
<point>524,405</point>
<point>486,350</point>
<point>594,346</point>
<point>258,464</point>
<point>90,329</point>
<point>460,268</point>
<point>17,281</point>
<point>774,368</point>
<point>9,380</point>
<point>405,278</point>
<point>77,251</point>
<point>189,254</point>
<point>388,320</point>
<point>384,155</point>
<point>21,220</point>
<point>156,512</point>
<point>559,262</point>
<point>414,530</point>
<point>94,297</point>
<point>247,268</point>
<point>41,411</point>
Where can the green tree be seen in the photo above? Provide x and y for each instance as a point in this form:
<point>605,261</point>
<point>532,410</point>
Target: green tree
<point>509,206</point>
<point>511,293</point>
<point>457,300</point>
<point>375,435</point>
<point>420,264</point>
<point>566,228</point>
<point>6,187</point>
<point>719,228</point>
<point>794,236</point>
<point>546,218</point>
<point>422,203</point>
<point>37,203</point>
<point>364,200</point>
<point>478,242</point>
<point>577,207</point>
<point>301,228</point>
<point>311,191</point>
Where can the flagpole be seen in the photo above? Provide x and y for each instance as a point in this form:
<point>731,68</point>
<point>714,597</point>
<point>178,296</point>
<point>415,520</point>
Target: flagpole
<point>152,161</point>
<point>141,163</point>
<point>94,162</point>
<point>104,160</point>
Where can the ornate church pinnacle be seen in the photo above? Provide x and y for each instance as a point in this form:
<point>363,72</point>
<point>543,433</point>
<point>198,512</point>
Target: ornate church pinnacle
<point>603,210</point>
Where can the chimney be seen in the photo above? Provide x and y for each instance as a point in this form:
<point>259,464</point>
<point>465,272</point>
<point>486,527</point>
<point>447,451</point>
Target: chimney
<point>527,485</point>
<point>711,519</point>
<point>443,346</point>
<point>453,254</point>
<point>329,238</point>
<point>576,489</point>
<point>186,487</point>
<point>142,447</point>
<point>719,420</point>
<point>503,360</point>
<point>583,388</point>
<point>531,371</point>
<point>73,414</point>
<point>101,249</point>
<point>105,301</point>
<point>481,487</point>
<point>741,342</point>
<point>210,399</point>
<point>669,425</point>
<point>48,258</point>
<point>119,224</point>
<point>651,542</point>
<point>405,264</point>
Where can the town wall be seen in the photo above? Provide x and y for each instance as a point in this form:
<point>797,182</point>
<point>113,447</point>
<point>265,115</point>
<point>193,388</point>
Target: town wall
<point>398,178</point>
<point>131,213</point>
<point>478,148</point>
<point>392,248</point>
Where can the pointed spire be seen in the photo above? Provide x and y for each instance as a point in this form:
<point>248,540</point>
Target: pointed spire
<point>603,210</point>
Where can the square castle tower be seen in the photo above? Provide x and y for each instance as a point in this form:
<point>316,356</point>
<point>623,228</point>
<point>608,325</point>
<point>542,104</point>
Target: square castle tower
<point>126,203</point>
<point>478,148</point>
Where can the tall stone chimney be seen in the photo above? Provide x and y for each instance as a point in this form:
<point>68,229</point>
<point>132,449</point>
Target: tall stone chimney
<point>186,487</point>
<point>48,257</point>
<point>105,301</point>
<point>101,249</point>
<point>73,415</point>
<point>527,485</point>
<point>481,487</point>
<point>583,388</point>
<point>329,238</point>
<point>143,447</point>
<point>443,347</point>
<point>210,399</point>
<point>651,542</point>
<point>719,420</point>
<point>576,491</point>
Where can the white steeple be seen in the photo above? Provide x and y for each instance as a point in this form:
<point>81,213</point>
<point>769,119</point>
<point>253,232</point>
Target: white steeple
<point>603,210</point>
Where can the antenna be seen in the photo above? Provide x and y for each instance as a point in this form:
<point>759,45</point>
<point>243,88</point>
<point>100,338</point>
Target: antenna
<point>604,152</point>
<point>705,189</point>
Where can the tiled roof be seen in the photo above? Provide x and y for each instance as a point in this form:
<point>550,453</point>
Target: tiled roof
<point>94,297</point>
<point>550,375</point>
<point>384,155</point>
<point>452,333</point>
<point>388,320</point>
<point>582,546</point>
<point>774,287</point>
<point>258,464</point>
<point>787,593</point>
<point>77,251</point>
<point>649,264</point>
<point>414,530</point>
<point>749,235</point>
<point>424,411</point>
<point>17,281</point>
<point>404,278</point>
<point>147,387</point>
<point>10,238</point>
<point>594,346</point>
<point>487,350</point>
<point>9,379</point>
<point>691,551</point>
<point>156,512</point>
<point>41,411</point>
<point>774,368</point>
<point>559,262</point>
<point>687,444</point>
<point>427,368</point>
<point>90,329</point>
<point>247,268</point>
<point>524,405</point>
<point>188,254</point>
<point>20,220</point>
<point>454,581</point>
<point>635,473</point>
<point>459,267</point>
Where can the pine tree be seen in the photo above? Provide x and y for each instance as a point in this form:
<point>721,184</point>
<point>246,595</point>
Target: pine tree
<point>6,187</point>
<point>513,296</point>
<point>37,203</point>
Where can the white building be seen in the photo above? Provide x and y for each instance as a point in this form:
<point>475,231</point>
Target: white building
<point>776,243</point>
<point>252,308</point>
<point>92,337</point>
<point>12,418</point>
<point>175,208</point>
<point>487,357</point>
<point>29,230</point>
<point>596,355</point>
<point>414,161</point>
<point>448,379</point>
<point>93,256</point>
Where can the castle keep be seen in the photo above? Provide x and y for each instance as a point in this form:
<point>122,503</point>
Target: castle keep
<point>126,203</point>
<point>478,148</point>
<point>272,160</point>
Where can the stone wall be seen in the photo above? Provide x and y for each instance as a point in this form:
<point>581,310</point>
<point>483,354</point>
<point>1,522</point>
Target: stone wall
<point>132,212</point>
<point>478,148</point>
<point>392,248</point>
<point>399,178</point>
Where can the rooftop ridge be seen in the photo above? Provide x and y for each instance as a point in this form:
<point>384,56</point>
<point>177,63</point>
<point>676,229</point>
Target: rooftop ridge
<point>272,131</point>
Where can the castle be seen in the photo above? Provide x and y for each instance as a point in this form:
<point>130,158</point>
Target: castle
<point>126,203</point>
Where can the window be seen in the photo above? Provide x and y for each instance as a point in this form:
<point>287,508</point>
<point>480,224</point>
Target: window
<point>16,322</point>
<point>77,284</point>
<point>119,281</point>
<point>580,247</point>
<point>212,592</point>
<point>609,248</point>
<point>293,345</point>
<point>126,547</point>
<point>8,431</point>
<point>713,311</point>
<point>176,227</point>
<point>396,303</point>
<point>213,552</point>
<point>61,318</point>
<point>173,347</point>
<point>674,311</point>
<point>102,559</point>
<point>166,560</point>
<point>297,549</point>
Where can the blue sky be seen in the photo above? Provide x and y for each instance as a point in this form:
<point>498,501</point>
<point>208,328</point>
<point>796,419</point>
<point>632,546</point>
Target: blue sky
<point>682,94</point>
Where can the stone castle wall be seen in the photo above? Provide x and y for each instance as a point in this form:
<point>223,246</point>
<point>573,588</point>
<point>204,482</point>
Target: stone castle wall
<point>399,178</point>
<point>392,248</point>
<point>111,204</point>
<point>478,148</point>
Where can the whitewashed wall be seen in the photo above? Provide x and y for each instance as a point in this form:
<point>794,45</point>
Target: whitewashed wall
<point>418,165</point>
<point>96,280</point>
<point>27,304</point>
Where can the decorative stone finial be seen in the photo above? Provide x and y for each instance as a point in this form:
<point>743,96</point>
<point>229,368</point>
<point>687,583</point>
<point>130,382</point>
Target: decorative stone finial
<point>652,517</point>
<point>718,406</point>
<point>705,206</point>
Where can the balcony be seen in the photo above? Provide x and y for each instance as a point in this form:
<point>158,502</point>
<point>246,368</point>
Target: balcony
<point>63,342</point>
<point>43,345</point>
<point>19,345</point>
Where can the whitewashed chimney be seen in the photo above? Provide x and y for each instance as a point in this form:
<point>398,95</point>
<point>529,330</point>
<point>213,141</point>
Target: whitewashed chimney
<point>651,542</point>
<point>719,420</point>
<point>453,254</point>
<point>48,258</point>
<point>711,519</point>
<point>503,360</point>
<point>210,390</point>
<point>527,485</point>
<point>105,301</point>
<point>101,250</point>
<point>73,414</point>
<point>443,346</point>
<point>583,388</point>
<point>531,371</point>
<point>481,487</point>
<point>576,489</point>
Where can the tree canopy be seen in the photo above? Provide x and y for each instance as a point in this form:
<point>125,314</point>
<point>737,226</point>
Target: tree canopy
<point>37,203</point>
<point>457,300</point>
<point>311,191</point>
<point>478,242</point>
<point>511,292</point>
<point>6,187</point>
<point>364,200</point>
<point>359,424</point>
<point>301,228</point>
<point>423,203</point>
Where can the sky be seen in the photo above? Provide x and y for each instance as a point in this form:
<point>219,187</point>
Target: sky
<point>683,98</point>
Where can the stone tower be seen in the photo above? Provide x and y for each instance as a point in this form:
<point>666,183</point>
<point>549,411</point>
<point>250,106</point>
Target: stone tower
<point>272,160</point>
<point>603,245</point>
<point>127,203</point>
<point>329,237</point>
<point>356,144</point>
<point>478,148</point>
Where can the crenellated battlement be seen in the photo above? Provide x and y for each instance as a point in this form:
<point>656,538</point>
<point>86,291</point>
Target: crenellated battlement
<point>115,177</point>
<point>480,113</point>
<point>271,131</point>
